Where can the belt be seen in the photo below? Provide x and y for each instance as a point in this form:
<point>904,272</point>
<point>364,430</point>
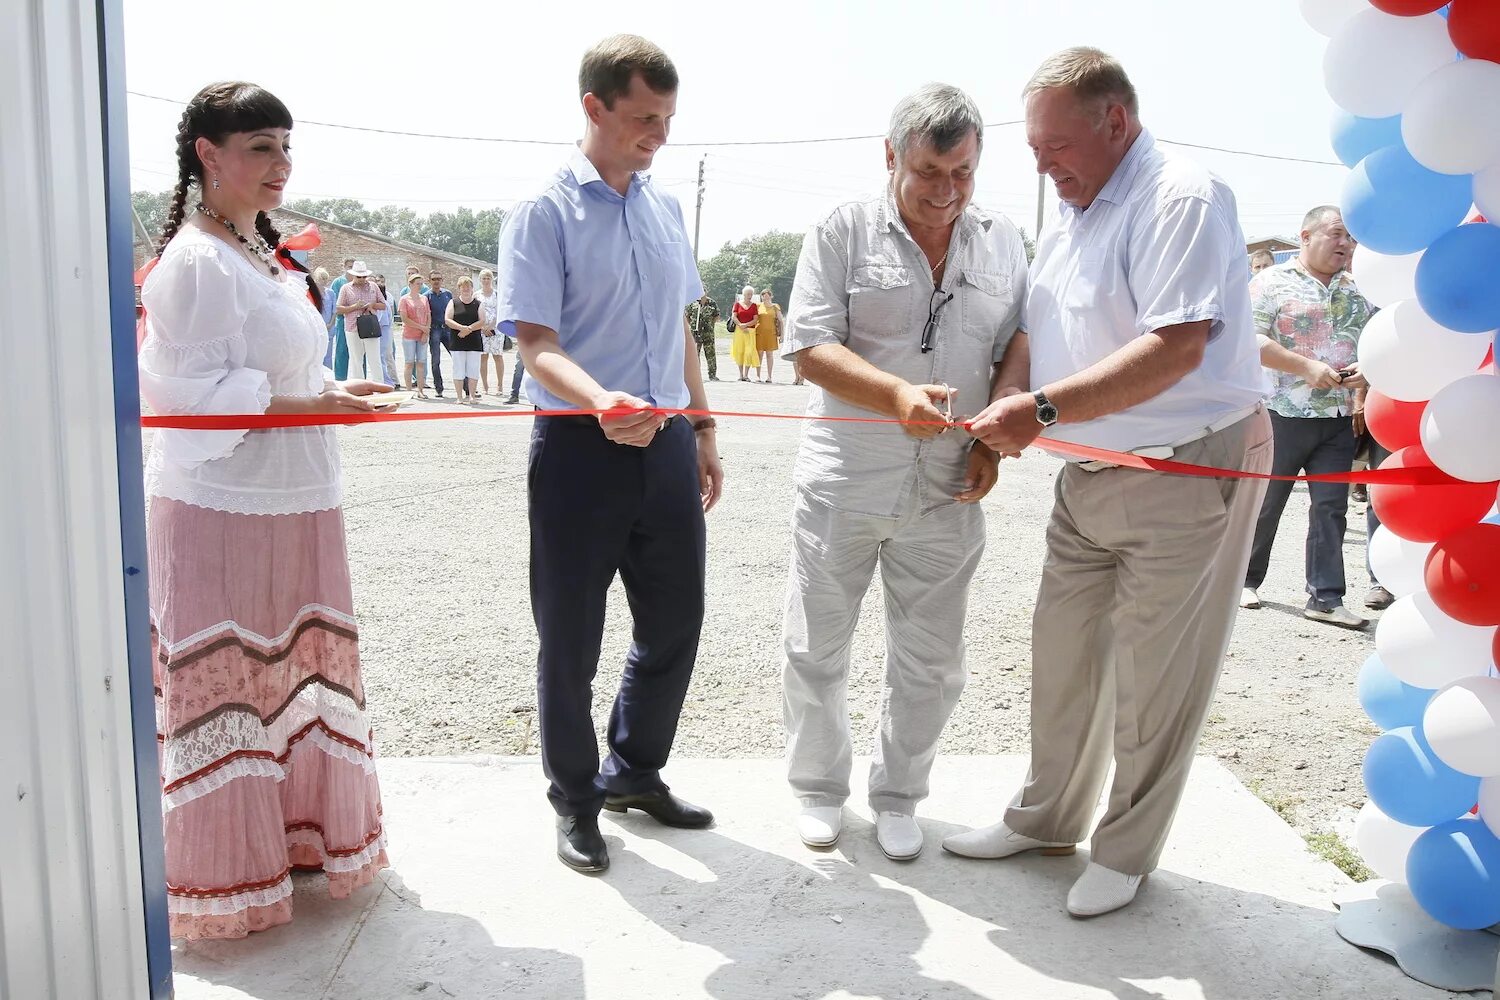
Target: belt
<point>1164,452</point>
<point>589,420</point>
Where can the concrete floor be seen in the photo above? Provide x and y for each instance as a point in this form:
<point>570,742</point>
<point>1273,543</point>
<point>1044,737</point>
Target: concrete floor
<point>476,906</point>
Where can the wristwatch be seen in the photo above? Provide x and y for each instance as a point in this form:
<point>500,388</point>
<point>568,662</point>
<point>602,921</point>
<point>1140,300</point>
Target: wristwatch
<point>1046,413</point>
<point>704,424</point>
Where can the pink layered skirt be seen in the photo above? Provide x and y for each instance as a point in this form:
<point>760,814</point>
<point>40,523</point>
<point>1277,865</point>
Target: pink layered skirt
<point>267,759</point>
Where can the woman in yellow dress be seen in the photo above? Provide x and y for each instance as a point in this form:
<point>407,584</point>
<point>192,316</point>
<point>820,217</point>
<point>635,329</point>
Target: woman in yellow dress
<point>744,350</point>
<point>768,333</point>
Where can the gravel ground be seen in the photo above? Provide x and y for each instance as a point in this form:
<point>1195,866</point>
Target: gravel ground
<point>438,543</point>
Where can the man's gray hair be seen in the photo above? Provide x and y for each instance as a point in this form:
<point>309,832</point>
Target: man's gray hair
<point>936,114</point>
<point>1316,217</point>
<point>1095,77</point>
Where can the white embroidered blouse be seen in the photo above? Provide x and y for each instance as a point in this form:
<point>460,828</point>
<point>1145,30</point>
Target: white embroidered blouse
<point>221,337</point>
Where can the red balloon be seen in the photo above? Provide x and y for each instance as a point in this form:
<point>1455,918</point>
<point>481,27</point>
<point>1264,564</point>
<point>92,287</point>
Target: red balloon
<point>1408,8</point>
<point>1395,423</point>
<point>1495,649</point>
<point>1474,27</point>
<point>1463,574</point>
<point>1428,513</point>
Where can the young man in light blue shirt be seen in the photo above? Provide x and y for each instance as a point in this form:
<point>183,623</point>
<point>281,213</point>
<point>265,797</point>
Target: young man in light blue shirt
<point>595,275</point>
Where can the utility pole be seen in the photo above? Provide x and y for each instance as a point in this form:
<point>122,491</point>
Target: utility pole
<point>1041,200</point>
<point>698,211</point>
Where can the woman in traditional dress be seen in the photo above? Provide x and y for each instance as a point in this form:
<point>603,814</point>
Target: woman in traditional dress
<point>267,759</point>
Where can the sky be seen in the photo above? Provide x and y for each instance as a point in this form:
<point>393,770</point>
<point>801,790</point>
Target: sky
<point>1243,76</point>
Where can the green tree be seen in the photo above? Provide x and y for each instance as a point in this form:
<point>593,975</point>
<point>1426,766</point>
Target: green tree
<point>151,208</point>
<point>396,222</point>
<point>1029,243</point>
<point>344,211</point>
<point>464,231</point>
<point>724,274</point>
<point>768,260</point>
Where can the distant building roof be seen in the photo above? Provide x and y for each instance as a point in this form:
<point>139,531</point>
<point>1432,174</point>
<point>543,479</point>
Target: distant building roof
<point>1272,243</point>
<point>457,258</point>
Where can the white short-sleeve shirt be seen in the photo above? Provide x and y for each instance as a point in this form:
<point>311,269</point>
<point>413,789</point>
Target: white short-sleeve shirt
<point>1161,245</point>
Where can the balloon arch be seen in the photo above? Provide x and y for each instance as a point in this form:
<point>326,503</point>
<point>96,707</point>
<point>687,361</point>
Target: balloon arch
<point>1418,85</point>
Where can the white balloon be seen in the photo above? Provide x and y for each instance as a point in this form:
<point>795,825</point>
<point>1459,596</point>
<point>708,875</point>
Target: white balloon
<point>1326,17</point>
<point>1451,121</point>
<point>1486,192</point>
<point>1384,843</point>
<point>1458,428</point>
<point>1399,564</point>
<point>1377,59</point>
<point>1427,649</point>
<point>1489,804</point>
<point>1405,354</point>
<point>1384,279</point>
<point>1462,725</point>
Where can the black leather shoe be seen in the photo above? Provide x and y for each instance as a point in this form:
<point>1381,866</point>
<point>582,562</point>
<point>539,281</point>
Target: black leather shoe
<point>580,845</point>
<point>662,806</point>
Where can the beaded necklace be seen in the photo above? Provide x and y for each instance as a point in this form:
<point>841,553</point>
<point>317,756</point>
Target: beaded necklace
<point>260,247</point>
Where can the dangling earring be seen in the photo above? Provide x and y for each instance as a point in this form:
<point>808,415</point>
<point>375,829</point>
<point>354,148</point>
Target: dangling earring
<point>216,184</point>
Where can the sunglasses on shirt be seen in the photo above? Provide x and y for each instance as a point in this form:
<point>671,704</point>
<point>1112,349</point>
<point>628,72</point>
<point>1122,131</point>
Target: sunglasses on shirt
<point>935,305</point>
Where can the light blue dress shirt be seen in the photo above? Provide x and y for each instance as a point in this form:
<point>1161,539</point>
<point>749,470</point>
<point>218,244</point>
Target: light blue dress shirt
<point>610,273</point>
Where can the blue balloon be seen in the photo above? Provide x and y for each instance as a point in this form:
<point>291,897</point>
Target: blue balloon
<point>1394,205</point>
<point>1355,138</point>
<point>1453,871</point>
<point>1458,279</point>
<point>1409,784</point>
<point>1390,702</point>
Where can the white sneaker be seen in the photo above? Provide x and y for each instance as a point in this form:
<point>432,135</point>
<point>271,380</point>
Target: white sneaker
<point>1249,598</point>
<point>1100,890</point>
<point>899,835</point>
<point>1000,841</point>
<point>820,826</point>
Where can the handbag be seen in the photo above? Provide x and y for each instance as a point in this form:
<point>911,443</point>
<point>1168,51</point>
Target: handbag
<point>368,326</point>
<point>731,324</point>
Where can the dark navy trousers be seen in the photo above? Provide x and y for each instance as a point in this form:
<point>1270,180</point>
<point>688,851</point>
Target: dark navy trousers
<point>596,509</point>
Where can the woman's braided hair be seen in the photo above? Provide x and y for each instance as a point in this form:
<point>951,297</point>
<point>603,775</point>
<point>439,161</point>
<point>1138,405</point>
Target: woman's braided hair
<point>214,113</point>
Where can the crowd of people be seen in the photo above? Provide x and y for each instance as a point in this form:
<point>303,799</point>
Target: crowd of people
<point>433,323</point>
<point>1133,330</point>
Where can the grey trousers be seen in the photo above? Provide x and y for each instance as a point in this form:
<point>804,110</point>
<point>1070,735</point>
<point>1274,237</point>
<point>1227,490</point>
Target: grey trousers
<point>926,565</point>
<point>1138,597</point>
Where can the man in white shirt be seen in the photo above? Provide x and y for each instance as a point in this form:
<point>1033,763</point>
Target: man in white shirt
<point>1139,330</point>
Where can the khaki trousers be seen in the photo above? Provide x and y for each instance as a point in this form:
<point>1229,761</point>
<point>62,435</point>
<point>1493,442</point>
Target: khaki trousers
<point>1138,596</point>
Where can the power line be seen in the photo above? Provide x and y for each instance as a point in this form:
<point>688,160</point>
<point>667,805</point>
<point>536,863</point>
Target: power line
<point>733,142</point>
<point>557,142</point>
<point>402,199</point>
<point>1246,152</point>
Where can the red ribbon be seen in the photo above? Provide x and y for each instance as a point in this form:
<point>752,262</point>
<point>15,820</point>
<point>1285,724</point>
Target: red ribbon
<point>1414,476</point>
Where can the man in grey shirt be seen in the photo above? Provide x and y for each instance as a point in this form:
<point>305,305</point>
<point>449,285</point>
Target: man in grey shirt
<point>903,306</point>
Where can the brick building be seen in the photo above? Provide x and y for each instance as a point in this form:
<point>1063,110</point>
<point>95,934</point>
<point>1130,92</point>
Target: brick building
<point>381,254</point>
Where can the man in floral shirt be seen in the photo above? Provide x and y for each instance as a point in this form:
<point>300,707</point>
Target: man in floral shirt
<point>1308,318</point>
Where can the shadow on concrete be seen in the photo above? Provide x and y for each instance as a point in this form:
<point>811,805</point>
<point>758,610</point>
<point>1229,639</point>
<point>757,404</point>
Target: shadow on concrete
<point>428,954</point>
<point>852,922</point>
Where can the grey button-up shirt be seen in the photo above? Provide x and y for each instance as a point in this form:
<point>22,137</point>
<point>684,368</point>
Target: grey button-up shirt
<point>863,282</point>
